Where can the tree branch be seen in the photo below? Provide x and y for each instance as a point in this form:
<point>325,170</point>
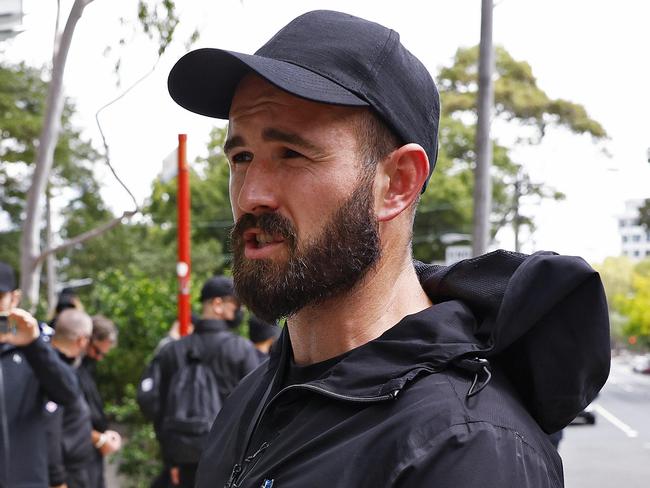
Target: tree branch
<point>97,231</point>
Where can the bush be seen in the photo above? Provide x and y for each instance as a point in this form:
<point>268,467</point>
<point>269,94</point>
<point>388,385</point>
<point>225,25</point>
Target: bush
<point>143,310</point>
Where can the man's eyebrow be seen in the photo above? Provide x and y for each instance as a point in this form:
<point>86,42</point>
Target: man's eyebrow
<point>278,135</point>
<point>272,135</point>
<point>232,142</point>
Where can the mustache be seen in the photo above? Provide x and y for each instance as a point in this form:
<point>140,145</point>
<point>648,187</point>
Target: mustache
<point>269,223</point>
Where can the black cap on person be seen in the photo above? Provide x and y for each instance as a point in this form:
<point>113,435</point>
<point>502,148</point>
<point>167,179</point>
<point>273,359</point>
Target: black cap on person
<point>217,286</point>
<point>259,330</point>
<point>328,57</point>
<point>7,278</point>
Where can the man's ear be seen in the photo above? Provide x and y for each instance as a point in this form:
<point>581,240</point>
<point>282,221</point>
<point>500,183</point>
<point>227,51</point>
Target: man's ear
<point>217,305</point>
<point>401,178</point>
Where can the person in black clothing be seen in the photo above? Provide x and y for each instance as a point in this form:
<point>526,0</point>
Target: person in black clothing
<point>233,358</point>
<point>389,372</point>
<point>105,440</point>
<point>70,448</point>
<point>67,299</point>
<point>30,373</point>
<point>263,335</point>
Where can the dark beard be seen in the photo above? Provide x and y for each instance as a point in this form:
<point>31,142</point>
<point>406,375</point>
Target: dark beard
<point>333,264</point>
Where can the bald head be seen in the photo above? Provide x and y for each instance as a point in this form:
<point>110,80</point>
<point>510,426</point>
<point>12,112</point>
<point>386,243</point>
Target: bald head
<point>73,324</point>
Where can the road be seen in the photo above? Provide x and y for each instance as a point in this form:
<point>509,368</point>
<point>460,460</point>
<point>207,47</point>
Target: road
<point>615,452</point>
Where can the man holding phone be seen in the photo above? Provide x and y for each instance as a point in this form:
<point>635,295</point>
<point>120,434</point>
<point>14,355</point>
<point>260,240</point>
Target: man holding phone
<point>30,374</point>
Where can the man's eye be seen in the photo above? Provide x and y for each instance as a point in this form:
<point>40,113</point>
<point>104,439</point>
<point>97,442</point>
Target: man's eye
<point>242,157</point>
<point>290,153</point>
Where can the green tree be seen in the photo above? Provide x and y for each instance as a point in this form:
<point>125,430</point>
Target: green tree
<point>447,205</point>
<point>22,101</point>
<point>143,310</point>
<point>636,308</point>
<point>616,274</point>
<point>210,207</point>
<point>644,214</point>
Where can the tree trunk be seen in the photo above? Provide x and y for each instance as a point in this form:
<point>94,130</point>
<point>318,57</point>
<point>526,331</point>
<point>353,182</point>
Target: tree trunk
<point>51,258</point>
<point>30,265</point>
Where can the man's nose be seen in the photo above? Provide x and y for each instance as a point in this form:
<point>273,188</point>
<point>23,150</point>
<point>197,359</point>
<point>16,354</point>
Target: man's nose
<point>259,190</point>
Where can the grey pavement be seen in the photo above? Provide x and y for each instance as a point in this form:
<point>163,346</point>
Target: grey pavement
<point>615,452</point>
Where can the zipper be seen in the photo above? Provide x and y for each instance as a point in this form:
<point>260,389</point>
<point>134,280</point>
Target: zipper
<point>243,468</point>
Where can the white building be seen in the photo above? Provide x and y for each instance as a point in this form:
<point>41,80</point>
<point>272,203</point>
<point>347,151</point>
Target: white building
<point>635,239</point>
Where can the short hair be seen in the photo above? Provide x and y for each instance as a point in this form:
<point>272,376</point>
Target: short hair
<point>375,139</point>
<point>104,329</point>
<point>72,324</point>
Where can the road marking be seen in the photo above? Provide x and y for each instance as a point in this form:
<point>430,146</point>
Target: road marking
<point>627,430</point>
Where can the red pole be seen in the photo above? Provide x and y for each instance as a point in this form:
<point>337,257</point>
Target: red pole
<point>183,267</point>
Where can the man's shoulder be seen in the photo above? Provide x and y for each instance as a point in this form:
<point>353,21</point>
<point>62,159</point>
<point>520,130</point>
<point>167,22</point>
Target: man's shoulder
<point>226,341</point>
<point>439,403</point>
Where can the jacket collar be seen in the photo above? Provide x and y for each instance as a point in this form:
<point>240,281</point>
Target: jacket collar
<point>500,306</point>
<point>423,342</point>
<point>210,325</point>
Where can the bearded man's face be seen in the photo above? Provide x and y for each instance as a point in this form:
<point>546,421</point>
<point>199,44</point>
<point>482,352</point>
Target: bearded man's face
<point>328,264</point>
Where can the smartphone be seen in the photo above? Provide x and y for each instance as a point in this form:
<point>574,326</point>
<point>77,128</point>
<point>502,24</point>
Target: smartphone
<point>4,323</point>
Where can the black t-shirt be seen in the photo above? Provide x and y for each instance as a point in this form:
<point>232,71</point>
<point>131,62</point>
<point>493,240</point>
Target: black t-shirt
<point>287,406</point>
<point>304,374</point>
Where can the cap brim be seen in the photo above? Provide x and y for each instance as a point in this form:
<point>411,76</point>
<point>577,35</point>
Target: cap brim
<point>204,81</point>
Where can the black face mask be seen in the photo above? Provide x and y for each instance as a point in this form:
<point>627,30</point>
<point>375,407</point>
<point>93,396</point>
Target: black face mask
<point>237,320</point>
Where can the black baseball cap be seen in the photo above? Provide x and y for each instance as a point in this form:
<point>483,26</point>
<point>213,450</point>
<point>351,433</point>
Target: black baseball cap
<point>259,330</point>
<point>323,56</point>
<point>217,286</point>
<point>7,278</point>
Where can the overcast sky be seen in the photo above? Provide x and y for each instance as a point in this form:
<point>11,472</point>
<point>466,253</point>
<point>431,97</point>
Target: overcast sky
<point>592,52</point>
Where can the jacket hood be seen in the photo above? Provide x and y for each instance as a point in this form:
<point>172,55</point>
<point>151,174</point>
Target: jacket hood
<point>542,318</point>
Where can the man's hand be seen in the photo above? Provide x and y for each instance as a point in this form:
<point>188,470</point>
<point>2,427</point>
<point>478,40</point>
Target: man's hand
<point>113,443</point>
<point>60,486</point>
<point>175,476</point>
<point>25,330</point>
<point>106,442</point>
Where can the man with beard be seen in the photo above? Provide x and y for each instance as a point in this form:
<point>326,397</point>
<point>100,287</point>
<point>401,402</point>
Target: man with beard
<point>389,372</point>
<point>229,357</point>
<point>105,441</point>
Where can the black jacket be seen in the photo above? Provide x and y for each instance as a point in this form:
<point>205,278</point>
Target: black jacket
<point>70,447</point>
<point>27,376</point>
<point>86,374</point>
<point>453,396</point>
<point>233,358</point>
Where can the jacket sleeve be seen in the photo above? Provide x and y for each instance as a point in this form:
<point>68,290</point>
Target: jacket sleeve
<point>249,359</point>
<point>53,431</point>
<point>56,378</point>
<point>479,455</point>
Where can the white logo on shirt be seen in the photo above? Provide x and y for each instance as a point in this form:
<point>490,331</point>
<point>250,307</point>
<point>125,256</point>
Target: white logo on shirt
<point>147,385</point>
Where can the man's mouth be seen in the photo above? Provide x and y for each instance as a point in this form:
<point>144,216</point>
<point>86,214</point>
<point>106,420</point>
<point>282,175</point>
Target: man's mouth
<point>257,239</point>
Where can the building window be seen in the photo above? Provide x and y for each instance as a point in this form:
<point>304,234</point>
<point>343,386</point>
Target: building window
<point>636,238</point>
<point>625,239</point>
<point>637,253</point>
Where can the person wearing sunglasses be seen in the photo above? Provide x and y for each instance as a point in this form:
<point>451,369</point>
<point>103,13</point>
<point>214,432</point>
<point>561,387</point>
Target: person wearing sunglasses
<point>105,440</point>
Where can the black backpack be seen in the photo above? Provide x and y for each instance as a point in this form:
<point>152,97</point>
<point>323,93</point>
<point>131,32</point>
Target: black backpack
<point>193,403</point>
